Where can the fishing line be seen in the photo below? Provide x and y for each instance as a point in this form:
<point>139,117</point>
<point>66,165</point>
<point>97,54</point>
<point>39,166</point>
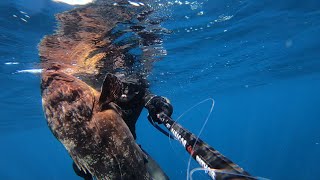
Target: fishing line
<point>183,114</point>
<point>201,130</point>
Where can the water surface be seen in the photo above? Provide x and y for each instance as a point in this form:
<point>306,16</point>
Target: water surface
<point>259,60</point>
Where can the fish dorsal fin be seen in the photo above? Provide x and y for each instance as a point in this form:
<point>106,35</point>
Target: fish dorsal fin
<point>111,89</point>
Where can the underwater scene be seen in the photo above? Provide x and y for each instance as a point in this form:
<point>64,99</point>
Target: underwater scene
<point>159,89</point>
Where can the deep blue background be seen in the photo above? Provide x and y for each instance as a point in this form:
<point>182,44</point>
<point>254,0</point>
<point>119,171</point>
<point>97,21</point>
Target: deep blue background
<point>259,60</point>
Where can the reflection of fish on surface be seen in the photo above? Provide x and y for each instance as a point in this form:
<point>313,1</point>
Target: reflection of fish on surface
<point>93,89</point>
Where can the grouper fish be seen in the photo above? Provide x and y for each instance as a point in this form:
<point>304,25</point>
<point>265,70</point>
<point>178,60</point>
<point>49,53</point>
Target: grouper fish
<point>93,88</point>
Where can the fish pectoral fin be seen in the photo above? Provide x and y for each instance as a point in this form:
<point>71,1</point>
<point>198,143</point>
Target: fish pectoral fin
<point>111,89</point>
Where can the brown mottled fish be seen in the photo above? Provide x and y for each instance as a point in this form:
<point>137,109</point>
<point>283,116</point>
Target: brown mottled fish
<point>91,94</point>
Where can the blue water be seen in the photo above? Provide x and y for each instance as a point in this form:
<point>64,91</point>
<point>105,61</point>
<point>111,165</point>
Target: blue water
<point>259,61</point>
